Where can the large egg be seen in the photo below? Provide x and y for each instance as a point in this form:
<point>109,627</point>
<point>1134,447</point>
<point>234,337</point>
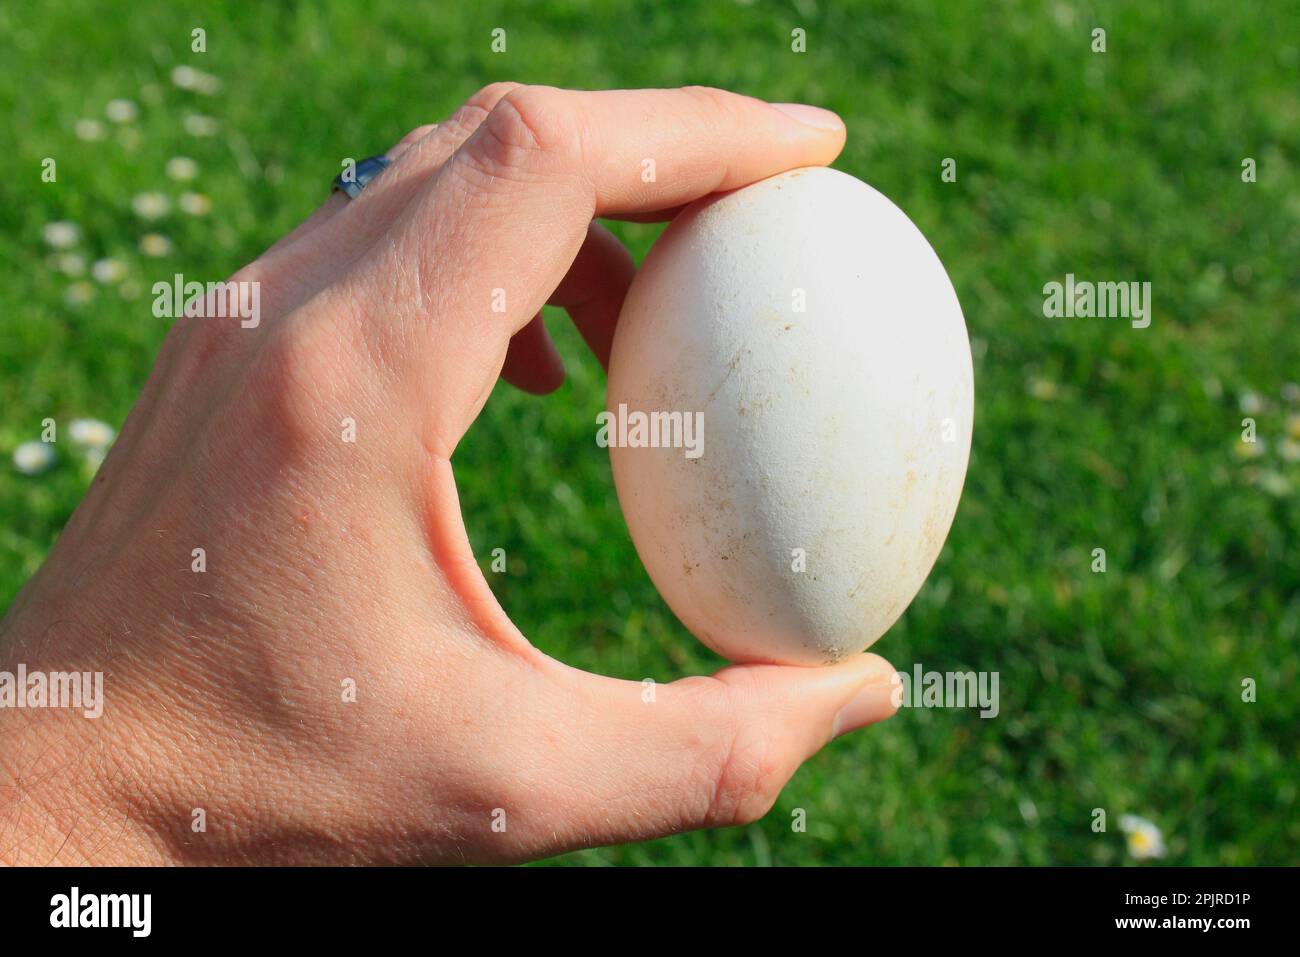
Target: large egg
<point>797,354</point>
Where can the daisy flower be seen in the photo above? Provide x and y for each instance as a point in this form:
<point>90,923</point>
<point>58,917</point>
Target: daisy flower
<point>155,244</point>
<point>196,124</point>
<point>70,264</point>
<point>1250,450</point>
<point>195,204</point>
<point>1044,389</point>
<point>79,293</point>
<point>188,78</point>
<point>33,458</point>
<point>89,130</point>
<point>61,235</point>
<point>182,168</point>
<point>91,433</point>
<point>121,111</point>
<point>150,205</point>
<point>1274,484</point>
<point>1144,839</point>
<point>206,83</point>
<point>183,77</point>
<point>108,270</point>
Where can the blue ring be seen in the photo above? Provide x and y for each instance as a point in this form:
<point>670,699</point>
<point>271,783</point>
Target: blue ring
<point>353,181</point>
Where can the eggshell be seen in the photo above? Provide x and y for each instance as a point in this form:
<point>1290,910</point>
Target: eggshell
<point>812,328</point>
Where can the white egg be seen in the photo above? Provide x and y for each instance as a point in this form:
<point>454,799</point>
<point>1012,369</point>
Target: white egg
<point>808,331</point>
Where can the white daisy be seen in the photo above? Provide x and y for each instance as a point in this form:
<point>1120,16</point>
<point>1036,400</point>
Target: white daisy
<point>108,270</point>
<point>121,111</point>
<point>155,244</point>
<point>70,264</point>
<point>1250,450</point>
<point>207,84</point>
<point>1252,403</point>
<point>1044,389</point>
<point>1274,484</point>
<point>151,205</point>
<point>195,204</point>
<point>89,130</point>
<point>183,76</point>
<point>196,124</point>
<point>91,433</point>
<point>1029,811</point>
<point>188,78</point>
<point>61,235</point>
<point>182,168</point>
<point>33,458</point>
<point>1143,837</point>
<point>79,292</point>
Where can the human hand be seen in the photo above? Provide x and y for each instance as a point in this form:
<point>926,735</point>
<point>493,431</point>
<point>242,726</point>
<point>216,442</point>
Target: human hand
<point>329,561</point>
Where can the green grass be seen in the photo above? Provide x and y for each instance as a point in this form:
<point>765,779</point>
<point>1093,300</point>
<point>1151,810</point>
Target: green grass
<point>1119,690</point>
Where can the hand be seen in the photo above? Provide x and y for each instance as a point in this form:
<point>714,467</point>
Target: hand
<point>329,561</point>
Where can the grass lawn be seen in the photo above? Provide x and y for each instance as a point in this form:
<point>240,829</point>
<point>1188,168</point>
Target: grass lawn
<point>1120,690</point>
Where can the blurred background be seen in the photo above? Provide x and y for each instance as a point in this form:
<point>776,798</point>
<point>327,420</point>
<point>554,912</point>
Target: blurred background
<point>1120,690</point>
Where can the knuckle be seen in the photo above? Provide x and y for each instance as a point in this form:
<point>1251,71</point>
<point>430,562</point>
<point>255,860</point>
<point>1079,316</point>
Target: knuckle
<point>471,114</point>
<point>488,97</point>
<point>535,114</point>
<point>747,785</point>
<point>526,131</point>
<point>740,771</point>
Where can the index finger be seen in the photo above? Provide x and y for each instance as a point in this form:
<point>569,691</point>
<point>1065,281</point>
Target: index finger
<point>488,240</point>
<point>641,151</point>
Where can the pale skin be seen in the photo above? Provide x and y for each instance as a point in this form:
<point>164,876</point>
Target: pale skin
<point>329,561</point>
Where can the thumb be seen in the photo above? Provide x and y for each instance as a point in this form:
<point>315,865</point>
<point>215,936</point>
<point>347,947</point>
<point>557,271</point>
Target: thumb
<point>700,752</point>
<point>780,717</point>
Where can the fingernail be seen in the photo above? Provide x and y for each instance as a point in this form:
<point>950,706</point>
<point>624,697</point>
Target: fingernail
<point>811,115</point>
<point>873,702</point>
